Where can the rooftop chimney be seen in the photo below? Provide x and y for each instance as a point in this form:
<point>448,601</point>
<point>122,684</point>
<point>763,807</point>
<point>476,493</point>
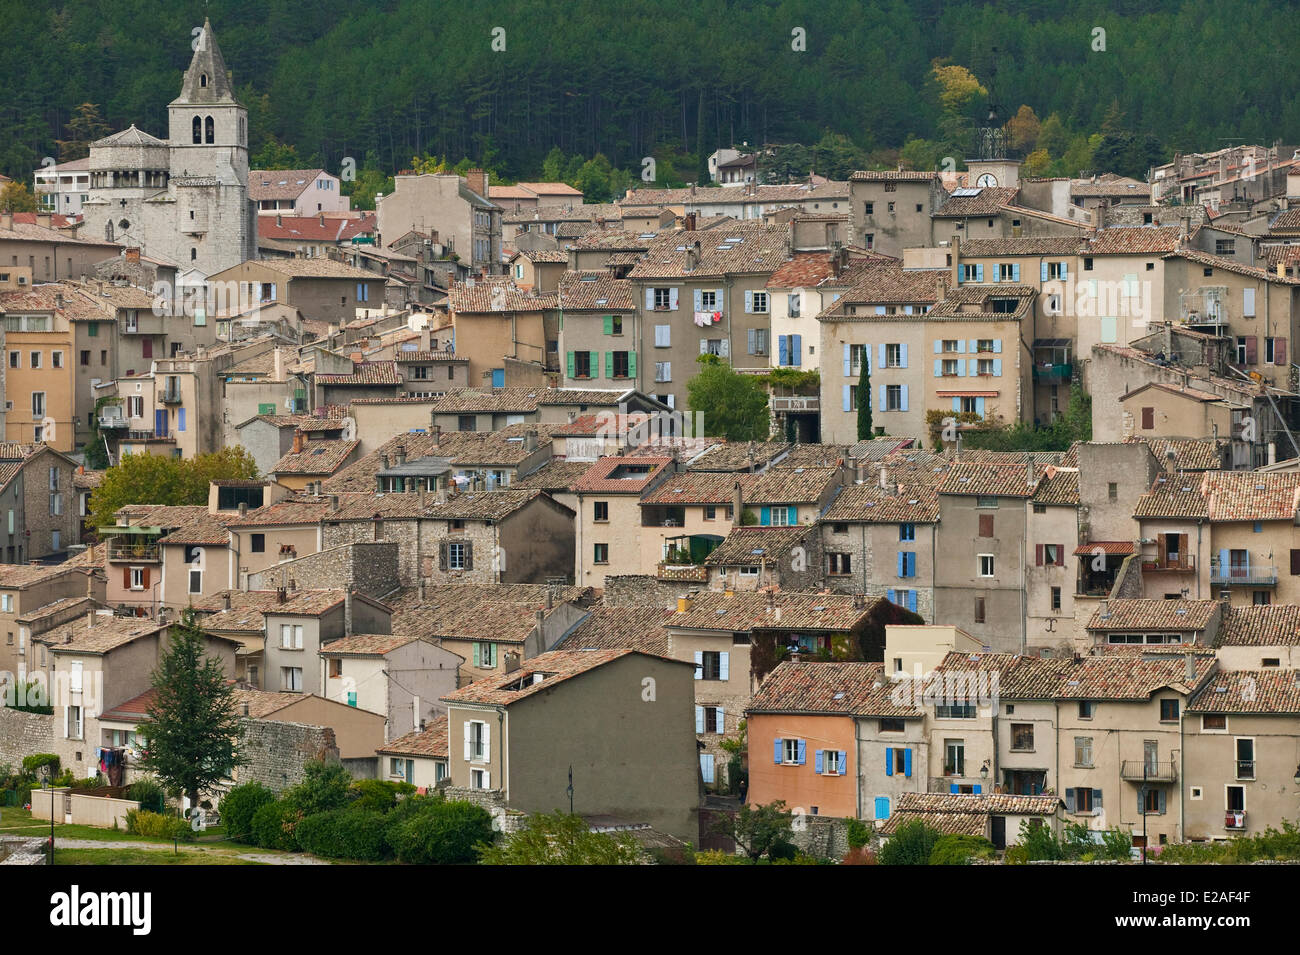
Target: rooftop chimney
<point>1029,470</point>
<point>225,601</point>
<point>1190,668</point>
<point>737,503</point>
<point>399,455</point>
<point>298,439</point>
<point>281,595</point>
<point>243,508</point>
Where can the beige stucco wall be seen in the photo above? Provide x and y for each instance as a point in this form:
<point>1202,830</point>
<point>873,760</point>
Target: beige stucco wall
<point>1211,767</point>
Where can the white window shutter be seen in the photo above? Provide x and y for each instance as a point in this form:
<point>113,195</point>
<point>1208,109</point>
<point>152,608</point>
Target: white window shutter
<point>704,346</point>
<point>487,779</point>
<point>725,349</point>
<point>468,753</point>
<point>672,298</point>
<point>487,742</point>
<point>649,299</point>
<point>902,356</point>
<point>699,664</point>
<point>722,720</point>
<point>724,667</point>
<point>699,299</point>
<point>749,301</point>
<point>699,719</point>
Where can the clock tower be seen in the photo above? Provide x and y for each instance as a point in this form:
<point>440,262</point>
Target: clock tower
<point>992,167</point>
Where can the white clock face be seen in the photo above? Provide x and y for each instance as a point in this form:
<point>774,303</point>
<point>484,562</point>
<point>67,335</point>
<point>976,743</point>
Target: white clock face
<point>986,181</point>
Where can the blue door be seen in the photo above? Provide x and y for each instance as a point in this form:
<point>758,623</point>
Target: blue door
<point>498,377</point>
<point>160,423</point>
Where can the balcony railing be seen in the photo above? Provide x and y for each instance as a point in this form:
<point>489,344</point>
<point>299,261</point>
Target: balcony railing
<point>1247,576</point>
<point>1159,565</point>
<point>149,436</point>
<point>169,396</point>
<point>119,550</point>
<point>1234,820</point>
<point>1137,770</point>
<point>1245,769</point>
<point>1053,372</point>
<point>112,423</point>
<point>692,572</point>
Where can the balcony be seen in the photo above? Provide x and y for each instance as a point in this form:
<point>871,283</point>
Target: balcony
<point>169,396</point>
<point>134,436</point>
<point>112,422</point>
<point>1234,820</point>
<point>1139,770</point>
<point>1243,576</point>
<point>1245,769</point>
<point>1166,565</point>
<point>696,573</point>
<point>1053,374</point>
<point>129,550</point>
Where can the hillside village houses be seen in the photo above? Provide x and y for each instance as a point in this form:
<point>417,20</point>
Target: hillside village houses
<point>487,508</point>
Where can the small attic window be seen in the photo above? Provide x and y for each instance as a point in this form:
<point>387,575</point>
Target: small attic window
<point>203,79</point>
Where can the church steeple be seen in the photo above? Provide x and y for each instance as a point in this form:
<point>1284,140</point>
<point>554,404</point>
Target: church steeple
<point>206,81</point>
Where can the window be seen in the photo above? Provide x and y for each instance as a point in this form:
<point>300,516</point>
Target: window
<point>196,582</point>
<point>1087,264</point>
<point>894,398</point>
<point>791,750</point>
<point>600,511</point>
<point>893,356</point>
<point>291,679</point>
<point>759,341</point>
<point>622,365</point>
<point>480,779</point>
<point>15,359</point>
<point>954,711</point>
<point>582,364</point>
<point>137,578</point>
<point>477,742</point>
<point>1214,722</point>
<point>1083,751</point>
<point>751,571</point>
<point>257,543</point>
<point>1083,800</point>
<point>979,610</point>
<point>1086,708</point>
<point>906,563</point>
<point>600,553</point>
<point>1022,737</point>
<point>888,725</point>
<point>56,359</point>
<point>714,665</point>
<point>485,655</point>
<point>1168,711</point>
<point>986,565</point>
<point>793,303</point>
<point>662,299</point>
<point>760,302</point>
<point>1151,800</point>
<point>614,325</point>
<point>971,273</point>
<point>290,636</point>
<point>663,371</point>
<point>949,368</point>
<point>839,565</point>
<point>1245,758</point>
<point>986,501</point>
<point>456,555</point>
<point>74,723</point>
<point>986,525</point>
<point>906,532</point>
<point>954,759</point>
<point>38,404</point>
<point>1056,598</point>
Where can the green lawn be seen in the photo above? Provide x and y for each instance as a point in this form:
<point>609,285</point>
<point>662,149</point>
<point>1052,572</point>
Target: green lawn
<point>19,821</point>
<point>187,856</point>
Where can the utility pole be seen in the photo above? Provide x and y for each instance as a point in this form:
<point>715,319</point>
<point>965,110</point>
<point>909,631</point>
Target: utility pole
<point>569,790</point>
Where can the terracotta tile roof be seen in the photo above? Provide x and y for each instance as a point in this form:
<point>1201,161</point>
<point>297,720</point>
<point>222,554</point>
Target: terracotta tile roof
<point>554,256</point>
<point>555,667</point>
<point>430,743</point>
<point>18,576</point>
<point>738,548</point>
<point>408,357</point>
<point>313,228</point>
<point>984,662</point>
<point>108,633</point>
<point>945,823</point>
<point>1251,496</point>
<point>133,710</point>
<point>207,530</point>
<point>892,175</point>
<point>1177,615</point>
<point>736,456</point>
<point>263,364</point>
<point>831,689</point>
<point>298,603</point>
<point>1027,245</point>
<point>1120,677</point>
<point>1008,803</point>
<point>789,485</point>
<point>1176,496</point>
<point>503,613</point>
<point>596,290</point>
<point>760,250</point>
<point>485,505</point>
<point>556,476</point>
<point>1271,691</point>
<point>262,704</point>
<point>697,487</point>
<point>612,240</point>
<point>988,201</point>
<point>990,480</point>
<point>1034,678</point>
<point>597,397</point>
<point>1126,240</point>
<point>318,268</point>
<point>869,504</point>
<point>161,515</point>
<point>504,447</point>
<point>1231,265</point>
<point>603,476</point>
<point>1189,454</point>
<point>1117,548</point>
<point>608,628</point>
<point>502,400</point>
<point>1110,185</point>
<point>817,456</point>
<point>888,284</point>
<point>279,183</point>
<point>744,611</point>
<point>804,270</point>
<point>366,645</point>
<point>365,373</point>
<point>497,295</point>
<point>1058,486</point>
<point>317,458</point>
<point>1274,625</point>
<point>602,424</point>
<point>295,510</point>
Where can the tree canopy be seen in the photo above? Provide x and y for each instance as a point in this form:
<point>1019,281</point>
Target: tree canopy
<point>734,405</point>
<point>158,479</point>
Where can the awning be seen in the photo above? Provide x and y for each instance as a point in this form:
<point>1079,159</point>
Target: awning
<point>1121,548</point>
<point>967,394</point>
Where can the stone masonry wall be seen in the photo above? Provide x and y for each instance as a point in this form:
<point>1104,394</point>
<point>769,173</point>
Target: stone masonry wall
<point>276,752</point>
<point>22,734</point>
<point>369,567</point>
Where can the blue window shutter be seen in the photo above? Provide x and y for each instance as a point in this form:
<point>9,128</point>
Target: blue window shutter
<point>779,755</point>
<point>1042,277</point>
<point>883,401</point>
<point>848,397</point>
<point>952,788</point>
<point>979,407</point>
<point>889,595</point>
<point>956,404</point>
<point>911,600</point>
<point>818,764</point>
<point>1065,274</point>
<point>961,368</point>
<point>880,355</point>
<point>977,789</point>
<point>699,719</point>
<point>848,363</point>
<point>974,346</point>
<point>782,349</point>
<point>803,752</point>
<point>938,346</point>
<point>938,367</point>
<point>997,367</point>
<point>1015,272</point>
<point>961,346</point>
<point>882,807</point>
<point>180,426</point>
<point>1225,561</point>
<point>499,374</point>
<point>907,763</point>
<point>765,517</point>
<point>880,310</point>
<point>902,356</point>
<point>979,273</point>
<point>903,398</point>
<point>796,350</point>
<point>996,269</point>
<point>792,515</point>
<point>843,762</point>
<point>889,761</point>
<point>699,664</point>
<point>902,564</point>
<point>749,301</point>
<point>724,669</point>
<point>997,346</point>
<point>911,563</point>
<point>699,300</point>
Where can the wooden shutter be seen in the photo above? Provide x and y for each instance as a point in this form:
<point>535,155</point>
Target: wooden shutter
<point>144,578</point>
<point>1162,549</point>
<point>126,577</point>
<point>1295,562</point>
<point>442,555</point>
<point>1279,351</point>
<point>986,525</point>
<point>1252,349</point>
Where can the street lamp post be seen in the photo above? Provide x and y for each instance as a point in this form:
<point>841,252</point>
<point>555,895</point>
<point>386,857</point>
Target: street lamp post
<point>47,785</point>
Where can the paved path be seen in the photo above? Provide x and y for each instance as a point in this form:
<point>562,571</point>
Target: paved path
<point>289,858</point>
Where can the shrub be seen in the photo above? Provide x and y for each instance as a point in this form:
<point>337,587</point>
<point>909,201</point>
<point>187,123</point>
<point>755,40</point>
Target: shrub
<point>275,823</point>
<point>324,787</point>
<point>1016,855</point>
<point>148,793</point>
<point>960,849</point>
<point>718,857</point>
<point>239,806</point>
<point>155,825</point>
<point>859,833</point>
<point>377,795</point>
<point>441,833</point>
<point>32,764</point>
<point>859,856</point>
<point>1041,843</point>
<point>351,833</point>
<point>911,844</point>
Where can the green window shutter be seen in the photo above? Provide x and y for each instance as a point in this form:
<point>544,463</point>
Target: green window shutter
<point>594,358</point>
<point>631,364</point>
<point>570,363</point>
<point>609,324</point>
<point>609,364</point>
<point>477,654</point>
<point>268,408</point>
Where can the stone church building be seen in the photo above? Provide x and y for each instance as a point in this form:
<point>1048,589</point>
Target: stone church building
<point>183,200</point>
